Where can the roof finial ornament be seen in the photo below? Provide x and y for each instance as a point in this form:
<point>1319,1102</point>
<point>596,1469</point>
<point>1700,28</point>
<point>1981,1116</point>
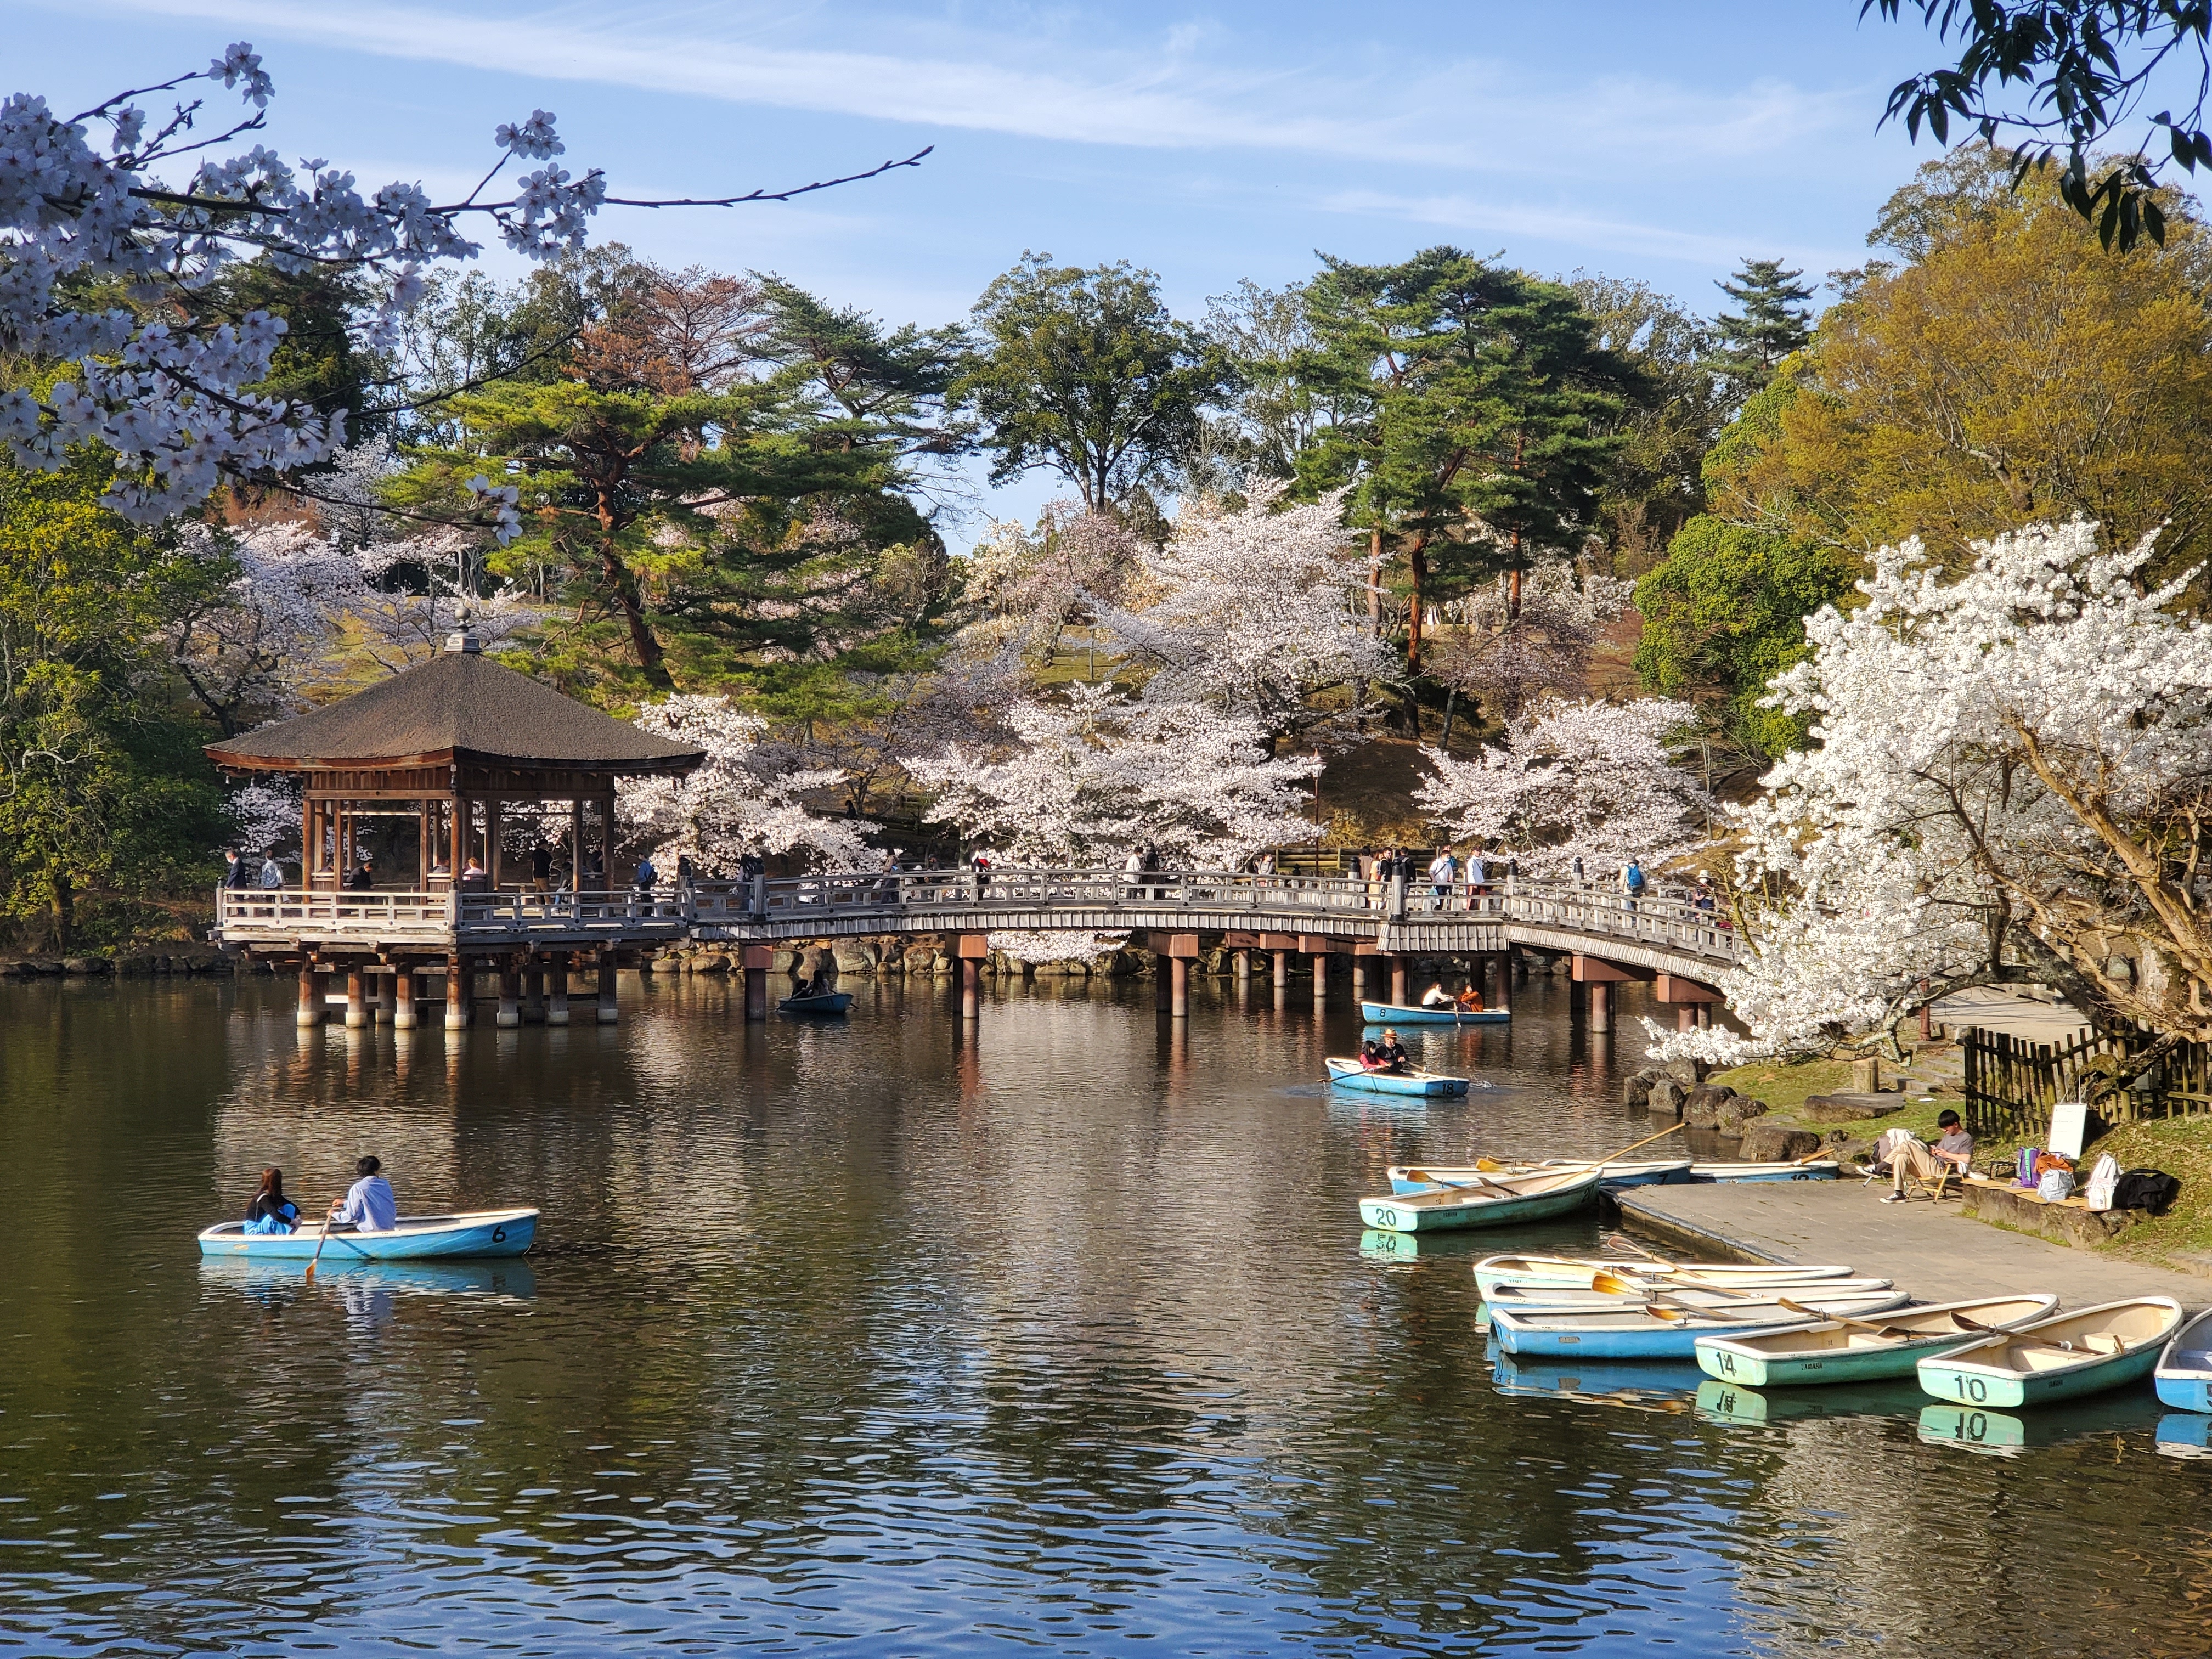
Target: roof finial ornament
<point>464,637</point>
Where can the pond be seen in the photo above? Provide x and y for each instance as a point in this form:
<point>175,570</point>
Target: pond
<point>1053,1336</point>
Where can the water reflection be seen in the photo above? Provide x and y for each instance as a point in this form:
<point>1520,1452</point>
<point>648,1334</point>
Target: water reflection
<point>1055,1334</point>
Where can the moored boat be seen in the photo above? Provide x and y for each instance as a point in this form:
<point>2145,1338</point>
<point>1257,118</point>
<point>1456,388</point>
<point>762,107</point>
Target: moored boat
<point>1820,1168</point>
<point>1390,1013</point>
<point>1577,1272</point>
<point>1638,1334</point>
<point>1413,1178</point>
<point>2183,1376</point>
<point>830,1002</point>
<point>1503,1200</point>
<point>1351,1074</point>
<point>1835,1353</point>
<point>1561,1298</point>
<point>468,1233</point>
<point>2064,1357</point>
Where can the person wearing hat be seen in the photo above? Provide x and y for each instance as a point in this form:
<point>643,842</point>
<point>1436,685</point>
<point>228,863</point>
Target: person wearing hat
<point>1387,1055</point>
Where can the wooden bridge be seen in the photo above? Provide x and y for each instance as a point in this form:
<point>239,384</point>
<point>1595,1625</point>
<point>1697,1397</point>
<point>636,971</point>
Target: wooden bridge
<point>381,941</point>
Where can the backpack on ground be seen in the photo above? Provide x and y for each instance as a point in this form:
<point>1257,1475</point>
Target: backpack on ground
<point>2098,1195</point>
<point>2144,1189</point>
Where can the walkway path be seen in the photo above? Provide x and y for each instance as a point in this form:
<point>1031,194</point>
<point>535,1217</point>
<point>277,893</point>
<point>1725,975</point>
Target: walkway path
<point>1929,1249</point>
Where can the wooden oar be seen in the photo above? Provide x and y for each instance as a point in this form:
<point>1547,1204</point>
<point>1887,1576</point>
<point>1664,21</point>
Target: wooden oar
<point>1623,1241</point>
<point>319,1242</point>
<point>1608,1283</point>
<point>1646,1141</point>
<point>1874,1326</point>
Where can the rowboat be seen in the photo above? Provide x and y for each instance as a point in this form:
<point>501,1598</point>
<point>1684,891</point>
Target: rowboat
<point>2062,1359</point>
<point>1731,1403</point>
<point>498,1279</point>
<point>1835,1353</point>
<point>1576,1272</point>
<point>2186,1434</point>
<point>1566,1299</point>
<point>1390,1013</point>
<point>1976,1428</point>
<point>829,1002</point>
<point>1659,1388</point>
<point>470,1233</point>
<point>1351,1074</point>
<point>1502,1201</point>
<point>1632,1333</point>
<point>2184,1376</point>
<point>1413,1178</point>
<point>1820,1168</point>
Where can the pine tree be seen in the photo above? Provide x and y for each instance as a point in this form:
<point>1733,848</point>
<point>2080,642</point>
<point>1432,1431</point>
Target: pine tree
<point>1774,321</point>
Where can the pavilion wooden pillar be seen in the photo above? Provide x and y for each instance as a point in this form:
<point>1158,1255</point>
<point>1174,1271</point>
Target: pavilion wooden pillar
<point>758,959</point>
<point>607,839</point>
<point>510,994</point>
<point>556,989</point>
<point>493,860</point>
<point>311,993</point>
<point>386,999</point>
<point>403,990</point>
<point>533,995</point>
<point>608,1011</point>
<point>459,992</point>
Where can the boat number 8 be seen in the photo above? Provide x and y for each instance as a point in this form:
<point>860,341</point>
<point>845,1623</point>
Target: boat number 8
<point>1973,1388</point>
<point>499,1235</point>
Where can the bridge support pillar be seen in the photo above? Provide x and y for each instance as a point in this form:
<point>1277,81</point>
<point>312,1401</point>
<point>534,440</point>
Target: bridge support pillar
<point>1179,987</point>
<point>1397,980</point>
<point>385,999</point>
<point>556,989</point>
<point>974,950</point>
<point>758,959</point>
<point>609,1011</point>
<point>1243,963</point>
<point>311,993</point>
<point>533,995</point>
<point>510,996</point>
<point>1321,979</point>
<point>460,990</point>
<point>403,995</point>
<point>356,1013</point>
<point>1500,993</point>
<point>1358,979</point>
<point>1600,1006</point>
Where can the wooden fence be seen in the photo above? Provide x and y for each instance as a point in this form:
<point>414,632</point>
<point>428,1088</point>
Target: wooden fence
<point>2012,1084</point>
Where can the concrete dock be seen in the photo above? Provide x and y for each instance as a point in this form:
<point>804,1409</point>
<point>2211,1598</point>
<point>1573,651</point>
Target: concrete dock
<point>1931,1249</point>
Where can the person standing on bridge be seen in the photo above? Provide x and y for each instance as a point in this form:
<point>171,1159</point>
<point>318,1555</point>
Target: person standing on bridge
<point>1443,875</point>
<point>1133,867</point>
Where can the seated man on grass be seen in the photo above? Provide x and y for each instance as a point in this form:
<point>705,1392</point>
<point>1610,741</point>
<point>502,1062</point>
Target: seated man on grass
<point>1953,1154</point>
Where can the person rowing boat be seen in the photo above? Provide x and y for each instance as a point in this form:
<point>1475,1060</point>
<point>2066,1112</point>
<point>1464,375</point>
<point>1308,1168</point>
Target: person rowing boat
<point>1387,1055</point>
<point>368,1205</point>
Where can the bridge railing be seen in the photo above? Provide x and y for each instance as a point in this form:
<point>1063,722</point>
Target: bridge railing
<point>247,913</point>
<point>1676,924</point>
<point>1001,888</point>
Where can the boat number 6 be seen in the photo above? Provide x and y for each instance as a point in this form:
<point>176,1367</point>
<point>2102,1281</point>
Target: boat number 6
<point>1973,1388</point>
<point>499,1235</point>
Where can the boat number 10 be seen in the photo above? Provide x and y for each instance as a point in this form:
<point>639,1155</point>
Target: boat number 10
<point>1972,1388</point>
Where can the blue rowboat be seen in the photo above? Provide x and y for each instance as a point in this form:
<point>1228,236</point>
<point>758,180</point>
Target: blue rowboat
<point>1503,1201</point>
<point>1351,1074</point>
<point>1390,1013</point>
<point>1576,1272</point>
<point>1653,1387</point>
<point>1568,1299</point>
<point>471,1233</point>
<point>500,1278</point>
<point>1820,1168</point>
<point>2075,1354</point>
<point>1835,1353</point>
<point>1630,1333</point>
<point>833,1002</point>
<point>2184,1376</point>
<point>2186,1434</point>
<point>1413,1178</point>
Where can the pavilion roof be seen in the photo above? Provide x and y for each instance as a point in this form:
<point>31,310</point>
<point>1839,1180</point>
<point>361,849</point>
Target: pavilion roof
<point>461,705</point>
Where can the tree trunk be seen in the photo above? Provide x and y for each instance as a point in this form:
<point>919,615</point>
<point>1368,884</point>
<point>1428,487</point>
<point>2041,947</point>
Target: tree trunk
<point>64,915</point>
<point>1417,571</point>
<point>1451,705</point>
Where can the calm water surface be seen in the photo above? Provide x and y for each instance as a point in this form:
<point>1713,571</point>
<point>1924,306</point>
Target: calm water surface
<point>866,1337</point>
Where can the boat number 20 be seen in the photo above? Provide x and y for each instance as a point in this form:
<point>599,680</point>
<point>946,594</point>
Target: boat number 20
<point>499,1235</point>
<point>1972,1387</point>
<point>1386,1217</point>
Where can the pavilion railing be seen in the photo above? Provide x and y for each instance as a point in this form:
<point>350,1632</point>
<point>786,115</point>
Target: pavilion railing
<point>1274,901</point>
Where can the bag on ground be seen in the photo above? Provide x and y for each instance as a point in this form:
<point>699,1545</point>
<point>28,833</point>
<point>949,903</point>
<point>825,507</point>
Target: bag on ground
<point>2144,1189</point>
<point>2098,1195</point>
<point>2052,1185</point>
<point>2027,1157</point>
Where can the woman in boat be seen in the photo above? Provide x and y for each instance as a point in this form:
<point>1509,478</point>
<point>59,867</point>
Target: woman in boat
<point>1469,1000</point>
<point>1387,1055</point>
<point>271,1211</point>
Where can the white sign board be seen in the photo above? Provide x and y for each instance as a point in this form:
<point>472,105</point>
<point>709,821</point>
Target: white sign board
<point>2068,1119</point>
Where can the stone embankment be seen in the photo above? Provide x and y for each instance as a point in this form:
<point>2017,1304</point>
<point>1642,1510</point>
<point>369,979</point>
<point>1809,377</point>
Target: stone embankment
<point>137,965</point>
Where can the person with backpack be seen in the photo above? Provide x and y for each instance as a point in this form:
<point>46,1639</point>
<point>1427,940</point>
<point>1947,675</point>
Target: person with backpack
<point>1631,881</point>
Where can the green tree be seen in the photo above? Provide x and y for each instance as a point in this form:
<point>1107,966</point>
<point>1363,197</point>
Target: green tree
<point>1474,414</point>
<point>1725,613</point>
<point>1085,372</point>
<point>1773,321</point>
<point>105,792</point>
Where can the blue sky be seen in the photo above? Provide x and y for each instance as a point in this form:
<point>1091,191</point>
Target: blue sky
<point>1657,140</point>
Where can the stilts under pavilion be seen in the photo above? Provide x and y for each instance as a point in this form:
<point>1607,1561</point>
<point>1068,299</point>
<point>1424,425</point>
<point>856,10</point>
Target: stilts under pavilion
<point>454,746</point>
<point>451,756</point>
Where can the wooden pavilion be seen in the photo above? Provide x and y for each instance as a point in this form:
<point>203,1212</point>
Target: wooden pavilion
<point>455,744</point>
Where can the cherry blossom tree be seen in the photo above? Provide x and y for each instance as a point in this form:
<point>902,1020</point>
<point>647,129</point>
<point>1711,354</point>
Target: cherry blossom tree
<point>1035,945</point>
<point>1581,780</point>
<point>1511,660</point>
<point>1086,780</point>
<point>1253,613</point>
<point>1033,585</point>
<point>745,798</point>
<point>163,387</point>
<point>266,813</point>
<point>2012,766</point>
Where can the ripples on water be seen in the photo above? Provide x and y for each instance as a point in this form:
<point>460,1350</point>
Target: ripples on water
<point>1058,1339</point>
